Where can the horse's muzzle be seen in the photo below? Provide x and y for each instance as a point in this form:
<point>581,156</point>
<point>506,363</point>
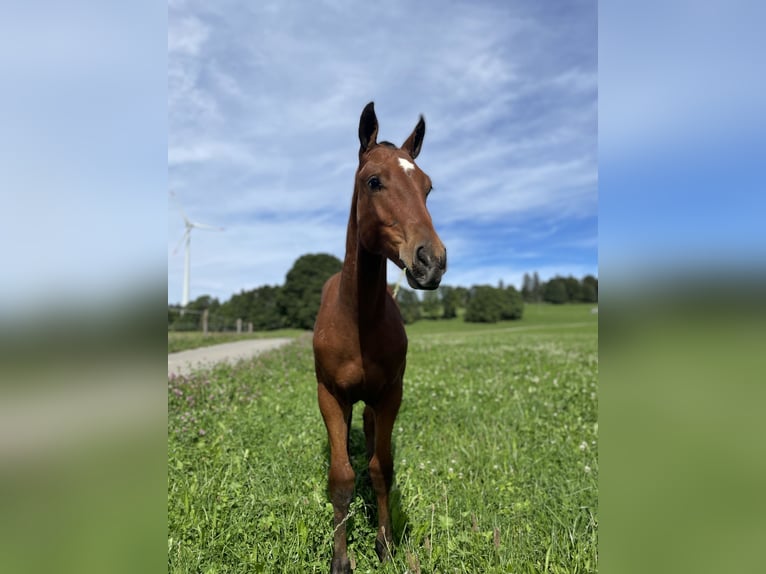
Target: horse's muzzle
<point>427,267</point>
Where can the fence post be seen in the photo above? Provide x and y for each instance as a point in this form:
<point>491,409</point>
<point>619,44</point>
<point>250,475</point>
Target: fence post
<point>250,327</point>
<point>204,322</point>
<point>239,325</point>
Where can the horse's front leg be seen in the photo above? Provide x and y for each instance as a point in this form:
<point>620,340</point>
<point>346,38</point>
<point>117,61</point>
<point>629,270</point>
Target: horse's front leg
<point>341,476</point>
<point>382,463</point>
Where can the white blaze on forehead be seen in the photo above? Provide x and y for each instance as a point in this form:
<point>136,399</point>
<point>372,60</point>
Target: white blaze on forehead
<point>407,166</point>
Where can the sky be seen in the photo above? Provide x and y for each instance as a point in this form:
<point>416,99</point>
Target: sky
<point>264,100</point>
<point>682,140</point>
<point>83,173</point>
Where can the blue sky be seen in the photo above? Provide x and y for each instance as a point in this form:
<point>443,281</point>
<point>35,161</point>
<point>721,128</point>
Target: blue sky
<point>251,118</point>
<point>83,176</point>
<point>263,108</point>
<point>682,134</point>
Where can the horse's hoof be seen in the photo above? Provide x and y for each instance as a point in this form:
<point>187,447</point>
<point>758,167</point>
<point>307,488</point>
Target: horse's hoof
<point>382,549</point>
<point>340,566</point>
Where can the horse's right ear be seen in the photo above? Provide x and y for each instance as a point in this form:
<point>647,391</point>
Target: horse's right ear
<point>368,128</point>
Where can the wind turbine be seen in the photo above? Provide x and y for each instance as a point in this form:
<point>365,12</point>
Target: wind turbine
<point>186,238</point>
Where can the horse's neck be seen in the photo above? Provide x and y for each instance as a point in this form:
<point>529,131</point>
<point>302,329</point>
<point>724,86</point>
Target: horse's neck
<point>363,278</point>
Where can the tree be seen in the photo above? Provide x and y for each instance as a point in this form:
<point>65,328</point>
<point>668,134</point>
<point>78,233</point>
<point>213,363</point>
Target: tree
<point>590,289</point>
<point>302,292</point>
<point>259,306</point>
<point>264,311</point>
<point>537,288</point>
<point>512,304</point>
<point>450,301</point>
<point>462,295</point>
<point>528,289</point>
<point>237,307</point>
<point>431,305</point>
<point>190,319</point>
<point>555,291</point>
<point>574,289</point>
<point>409,305</point>
<point>485,305</point>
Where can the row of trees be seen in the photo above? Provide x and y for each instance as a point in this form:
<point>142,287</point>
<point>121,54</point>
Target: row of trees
<point>479,304</point>
<point>295,303</point>
<point>559,289</point>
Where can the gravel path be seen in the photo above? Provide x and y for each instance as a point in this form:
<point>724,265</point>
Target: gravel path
<point>184,362</point>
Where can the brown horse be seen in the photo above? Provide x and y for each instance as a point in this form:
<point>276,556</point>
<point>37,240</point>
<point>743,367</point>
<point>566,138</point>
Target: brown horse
<point>360,346</point>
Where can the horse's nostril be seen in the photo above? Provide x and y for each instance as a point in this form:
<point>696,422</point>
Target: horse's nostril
<point>422,255</point>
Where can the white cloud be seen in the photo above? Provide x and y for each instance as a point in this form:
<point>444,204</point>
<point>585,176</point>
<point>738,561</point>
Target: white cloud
<point>558,189</point>
<point>212,152</point>
<point>186,36</point>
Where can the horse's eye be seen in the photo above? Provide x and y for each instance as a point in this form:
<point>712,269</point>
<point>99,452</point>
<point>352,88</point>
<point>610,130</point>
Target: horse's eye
<point>374,183</point>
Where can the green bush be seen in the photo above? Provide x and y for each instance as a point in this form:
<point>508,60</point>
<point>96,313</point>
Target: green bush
<point>489,304</point>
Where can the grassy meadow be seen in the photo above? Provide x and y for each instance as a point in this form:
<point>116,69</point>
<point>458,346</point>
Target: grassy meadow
<point>495,452</point>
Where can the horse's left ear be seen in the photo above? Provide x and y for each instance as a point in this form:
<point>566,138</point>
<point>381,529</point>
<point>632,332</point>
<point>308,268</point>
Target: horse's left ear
<point>368,128</point>
<point>415,141</point>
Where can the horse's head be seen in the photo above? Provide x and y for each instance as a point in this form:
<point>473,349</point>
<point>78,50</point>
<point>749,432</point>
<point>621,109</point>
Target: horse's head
<point>391,212</point>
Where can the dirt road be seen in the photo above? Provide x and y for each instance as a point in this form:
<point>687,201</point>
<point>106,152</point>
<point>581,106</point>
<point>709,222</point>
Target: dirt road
<point>184,362</point>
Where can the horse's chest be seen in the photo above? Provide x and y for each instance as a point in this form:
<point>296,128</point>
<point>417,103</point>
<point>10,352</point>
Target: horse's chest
<point>366,368</point>
<point>378,363</point>
<point>384,367</point>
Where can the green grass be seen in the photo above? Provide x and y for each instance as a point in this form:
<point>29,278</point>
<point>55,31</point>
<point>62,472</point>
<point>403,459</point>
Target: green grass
<point>495,453</point>
<point>535,316</point>
<point>183,340</point>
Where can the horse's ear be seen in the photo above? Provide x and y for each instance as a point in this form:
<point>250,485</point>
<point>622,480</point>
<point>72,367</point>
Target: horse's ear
<point>368,128</point>
<point>415,141</point>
